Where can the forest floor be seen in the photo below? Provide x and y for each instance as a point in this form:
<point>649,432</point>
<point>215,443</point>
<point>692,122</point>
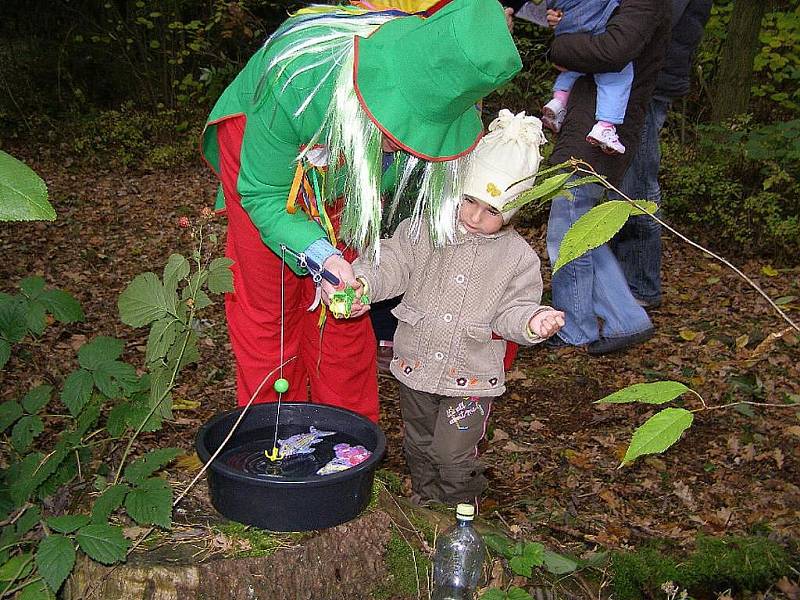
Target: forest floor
<point>553,455</point>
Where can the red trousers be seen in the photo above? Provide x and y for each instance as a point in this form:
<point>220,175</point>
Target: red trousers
<point>337,364</point>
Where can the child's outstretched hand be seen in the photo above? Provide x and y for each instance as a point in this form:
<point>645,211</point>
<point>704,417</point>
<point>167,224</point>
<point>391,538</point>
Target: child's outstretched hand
<point>358,308</point>
<point>546,323</point>
<point>554,17</point>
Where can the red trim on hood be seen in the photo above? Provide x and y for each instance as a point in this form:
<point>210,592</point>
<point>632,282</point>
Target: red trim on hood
<point>438,6</point>
<point>387,133</point>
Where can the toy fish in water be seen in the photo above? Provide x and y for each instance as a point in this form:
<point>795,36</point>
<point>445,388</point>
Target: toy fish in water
<point>302,443</point>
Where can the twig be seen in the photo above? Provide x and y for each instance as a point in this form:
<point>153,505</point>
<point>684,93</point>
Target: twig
<point>750,402</point>
<point>584,167</point>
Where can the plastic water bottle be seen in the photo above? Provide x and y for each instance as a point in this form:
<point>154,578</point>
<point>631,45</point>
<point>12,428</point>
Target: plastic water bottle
<point>458,561</point>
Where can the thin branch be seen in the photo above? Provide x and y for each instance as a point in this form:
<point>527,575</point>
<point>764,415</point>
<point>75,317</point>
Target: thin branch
<point>749,402</point>
<point>584,167</point>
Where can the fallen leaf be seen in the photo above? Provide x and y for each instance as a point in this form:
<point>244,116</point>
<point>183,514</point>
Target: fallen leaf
<point>769,271</point>
<point>684,492</point>
<point>793,430</point>
<point>712,280</point>
<point>537,426</point>
<point>741,341</point>
<point>515,447</point>
<point>778,455</point>
<point>687,334</point>
<point>789,588</point>
<point>498,435</point>
<point>189,462</point>
<point>184,404</point>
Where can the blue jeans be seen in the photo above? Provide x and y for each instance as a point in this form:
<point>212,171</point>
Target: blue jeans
<point>592,286</point>
<point>613,91</point>
<point>638,244</point>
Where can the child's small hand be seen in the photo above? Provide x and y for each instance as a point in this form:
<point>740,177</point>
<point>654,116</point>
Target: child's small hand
<point>554,17</point>
<point>358,307</point>
<point>546,323</point>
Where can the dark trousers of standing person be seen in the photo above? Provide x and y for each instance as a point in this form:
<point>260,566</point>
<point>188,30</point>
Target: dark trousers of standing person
<point>637,246</point>
<point>440,443</point>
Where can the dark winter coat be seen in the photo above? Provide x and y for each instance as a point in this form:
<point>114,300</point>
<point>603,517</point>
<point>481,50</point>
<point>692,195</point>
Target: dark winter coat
<point>638,31</point>
<point>688,21</point>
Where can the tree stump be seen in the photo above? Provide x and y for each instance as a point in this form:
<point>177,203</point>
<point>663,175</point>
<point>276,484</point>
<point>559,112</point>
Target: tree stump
<point>344,562</point>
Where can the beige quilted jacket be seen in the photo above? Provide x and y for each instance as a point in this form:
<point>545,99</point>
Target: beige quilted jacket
<point>455,298</point>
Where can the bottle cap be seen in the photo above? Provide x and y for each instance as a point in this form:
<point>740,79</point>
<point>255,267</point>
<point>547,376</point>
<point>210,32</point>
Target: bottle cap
<point>465,512</point>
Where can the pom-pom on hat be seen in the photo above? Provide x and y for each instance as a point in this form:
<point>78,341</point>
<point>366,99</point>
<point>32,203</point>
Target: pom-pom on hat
<point>419,77</point>
<point>508,153</point>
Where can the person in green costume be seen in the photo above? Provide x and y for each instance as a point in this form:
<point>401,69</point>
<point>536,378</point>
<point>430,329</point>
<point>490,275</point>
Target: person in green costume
<point>298,141</point>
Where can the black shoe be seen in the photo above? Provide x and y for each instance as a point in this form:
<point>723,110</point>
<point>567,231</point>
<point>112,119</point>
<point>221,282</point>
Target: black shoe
<point>619,344</point>
<point>648,303</point>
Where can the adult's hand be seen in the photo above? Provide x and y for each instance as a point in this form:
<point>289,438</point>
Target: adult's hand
<point>344,272</point>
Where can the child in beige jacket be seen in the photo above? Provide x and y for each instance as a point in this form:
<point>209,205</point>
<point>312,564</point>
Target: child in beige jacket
<point>460,303</point>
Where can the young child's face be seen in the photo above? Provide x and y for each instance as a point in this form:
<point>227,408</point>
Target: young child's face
<point>478,217</point>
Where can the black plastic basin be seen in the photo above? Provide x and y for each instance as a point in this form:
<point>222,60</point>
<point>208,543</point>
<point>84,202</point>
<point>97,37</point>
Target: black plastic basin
<point>280,503</point>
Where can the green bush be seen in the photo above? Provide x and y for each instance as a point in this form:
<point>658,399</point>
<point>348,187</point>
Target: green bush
<point>133,137</point>
<point>737,563</point>
<point>739,183</point>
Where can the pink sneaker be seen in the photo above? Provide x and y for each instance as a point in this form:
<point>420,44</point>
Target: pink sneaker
<point>606,138</point>
<point>553,114</point>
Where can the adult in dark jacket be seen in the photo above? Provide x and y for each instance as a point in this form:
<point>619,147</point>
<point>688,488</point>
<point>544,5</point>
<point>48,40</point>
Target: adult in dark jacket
<point>593,287</point>
<point>638,245</point>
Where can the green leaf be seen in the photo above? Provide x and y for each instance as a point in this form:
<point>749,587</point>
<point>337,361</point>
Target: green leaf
<point>5,352</point>
<point>10,411</point>
<point>99,350</point>
<point>24,432</point>
<point>202,300</point>
<point>142,468</point>
<point>532,556</point>
<point>657,392</point>
<point>103,543</point>
<point>88,417</point>
<point>143,301</point>
<point>37,590</point>
<point>23,194</point>
<point>77,390</point>
<point>32,286</point>
<point>64,307</point>
<point>191,352</point>
<point>13,323</point>
<point>150,503</point>
<point>658,433</point>
<point>499,544</point>
<point>558,564</point>
<point>37,398</point>
<point>591,230</point>
<point>648,208</point>
<point>20,477</point>
<point>513,593</point>
<point>162,335</point>
<point>17,567</point>
<point>36,317</point>
<point>115,379</point>
<point>67,523</point>
<point>109,501</point>
<point>55,558</point>
<point>548,187</point>
<point>176,269</point>
<point>220,277</point>
<point>29,519</point>
<point>117,421</point>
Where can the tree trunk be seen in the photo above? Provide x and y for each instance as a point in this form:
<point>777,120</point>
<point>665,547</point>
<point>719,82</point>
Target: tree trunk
<point>342,563</point>
<point>734,77</point>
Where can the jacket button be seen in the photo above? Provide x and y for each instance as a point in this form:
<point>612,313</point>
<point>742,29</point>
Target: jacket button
<point>439,356</point>
<point>447,317</point>
<point>460,278</point>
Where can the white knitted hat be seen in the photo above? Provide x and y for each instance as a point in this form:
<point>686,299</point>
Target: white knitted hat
<point>507,153</point>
